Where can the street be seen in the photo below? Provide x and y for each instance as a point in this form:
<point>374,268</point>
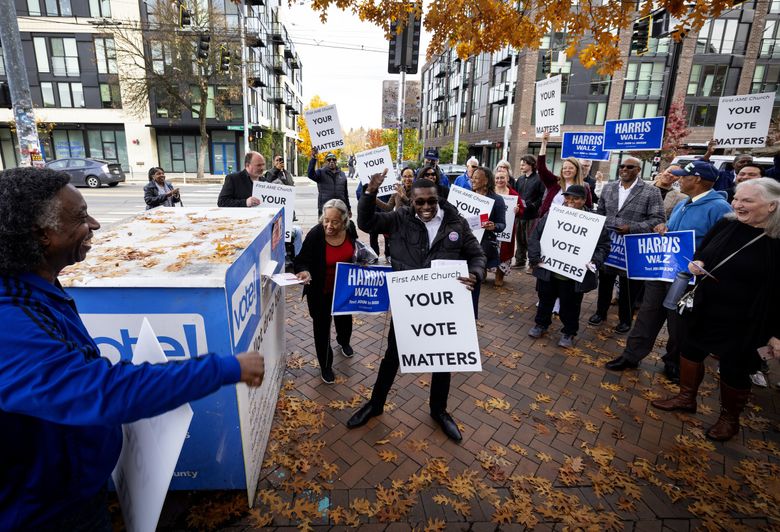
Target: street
<point>110,205</point>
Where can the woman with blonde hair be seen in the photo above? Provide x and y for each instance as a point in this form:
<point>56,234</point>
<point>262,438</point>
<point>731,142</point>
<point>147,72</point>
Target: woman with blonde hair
<point>571,174</point>
<point>503,173</point>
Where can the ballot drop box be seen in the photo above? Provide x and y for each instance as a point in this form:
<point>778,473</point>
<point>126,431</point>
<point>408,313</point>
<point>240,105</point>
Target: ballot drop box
<point>200,276</point>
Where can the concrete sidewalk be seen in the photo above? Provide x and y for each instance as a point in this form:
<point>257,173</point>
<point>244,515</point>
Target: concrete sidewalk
<point>552,441</point>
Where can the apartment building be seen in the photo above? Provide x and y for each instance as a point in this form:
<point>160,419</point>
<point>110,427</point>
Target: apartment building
<point>72,65</point>
<point>737,53</point>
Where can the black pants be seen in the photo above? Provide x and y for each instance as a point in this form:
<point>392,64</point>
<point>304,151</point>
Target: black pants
<point>475,298</point>
<point>649,320</point>
<point>629,290</point>
<point>733,369</point>
<point>90,515</point>
<point>571,302</point>
<point>440,382</point>
<point>319,310</point>
<point>521,238</point>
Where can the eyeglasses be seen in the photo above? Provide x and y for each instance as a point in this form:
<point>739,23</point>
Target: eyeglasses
<point>430,201</point>
<point>429,174</point>
<point>331,160</point>
<point>628,166</point>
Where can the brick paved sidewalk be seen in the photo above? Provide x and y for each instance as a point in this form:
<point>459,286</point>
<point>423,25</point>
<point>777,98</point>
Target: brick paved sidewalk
<point>550,439</point>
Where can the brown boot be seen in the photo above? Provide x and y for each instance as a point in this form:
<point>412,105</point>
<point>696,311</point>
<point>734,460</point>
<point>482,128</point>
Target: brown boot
<point>499,278</point>
<point>691,375</point>
<point>732,402</point>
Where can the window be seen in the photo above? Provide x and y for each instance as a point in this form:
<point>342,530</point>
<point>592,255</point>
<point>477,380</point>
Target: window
<point>597,113</point>
<point>161,57</point>
<point>178,153</point>
<point>41,54</point>
<point>722,36</point>
<point>58,8</point>
<point>557,67</point>
<point>109,145</point>
<point>2,62</point>
<point>105,55</point>
<point>71,94</point>
<point>229,9</point>
<point>710,80</point>
<point>47,92</point>
<point>100,8</point>
<point>766,78</point>
<point>68,143</point>
<point>638,110</point>
<point>599,85</point>
<point>644,79</point>
<point>64,57</point>
<point>774,6</point>
<point>110,96</point>
<point>497,116</point>
<point>34,8</point>
<point>701,115</point>
<point>770,44</point>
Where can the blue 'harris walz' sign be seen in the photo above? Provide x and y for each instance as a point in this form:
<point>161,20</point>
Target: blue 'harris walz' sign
<point>584,146</point>
<point>634,134</point>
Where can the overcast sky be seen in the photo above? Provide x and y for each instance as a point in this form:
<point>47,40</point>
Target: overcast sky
<point>338,72</point>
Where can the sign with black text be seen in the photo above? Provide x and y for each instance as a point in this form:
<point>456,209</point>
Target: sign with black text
<point>548,106</point>
<point>470,204</point>
<point>274,196</point>
<point>640,134</point>
<point>324,128</point>
<point>375,161</point>
<point>510,202</point>
<point>569,238</point>
<point>585,145</point>
<point>360,289</point>
<point>433,317</point>
<point>743,121</point>
<point>654,257</point>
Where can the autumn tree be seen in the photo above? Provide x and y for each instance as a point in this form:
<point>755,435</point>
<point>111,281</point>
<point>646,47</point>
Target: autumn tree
<point>675,133</point>
<point>304,145</point>
<point>474,26</point>
<point>160,62</point>
<point>445,153</point>
<point>355,141</point>
<point>412,144</point>
<point>374,138</point>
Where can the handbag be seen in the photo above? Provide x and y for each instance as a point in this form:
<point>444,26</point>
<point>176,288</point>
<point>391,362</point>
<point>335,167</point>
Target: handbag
<point>686,301</point>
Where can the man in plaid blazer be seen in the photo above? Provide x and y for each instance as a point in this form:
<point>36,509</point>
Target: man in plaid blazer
<point>631,206</point>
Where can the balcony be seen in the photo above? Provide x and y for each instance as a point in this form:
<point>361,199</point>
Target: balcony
<point>439,93</point>
<point>503,57</point>
<point>289,49</point>
<point>256,33</point>
<point>277,33</point>
<point>257,75</point>
<point>295,62</point>
<point>275,94</point>
<point>500,93</point>
<point>278,64</point>
<point>440,70</point>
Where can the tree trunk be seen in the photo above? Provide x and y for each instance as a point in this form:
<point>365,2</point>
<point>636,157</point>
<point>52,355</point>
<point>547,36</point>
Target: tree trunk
<point>204,136</point>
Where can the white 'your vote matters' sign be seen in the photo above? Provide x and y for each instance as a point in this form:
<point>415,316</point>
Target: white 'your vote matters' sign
<point>375,161</point>
<point>433,318</point>
<point>324,128</point>
<point>569,239</point>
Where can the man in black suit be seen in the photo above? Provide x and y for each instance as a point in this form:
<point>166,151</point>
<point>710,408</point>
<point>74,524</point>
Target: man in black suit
<point>237,188</point>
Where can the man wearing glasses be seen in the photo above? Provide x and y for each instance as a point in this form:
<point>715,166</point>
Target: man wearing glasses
<point>278,174</point>
<point>631,206</point>
<point>464,180</point>
<point>427,229</point>
<point>331,182</point>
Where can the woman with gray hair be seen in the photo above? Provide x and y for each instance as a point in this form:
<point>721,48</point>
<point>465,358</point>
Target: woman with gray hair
<point>328,243</point>
<point>464,179</point>
<point>735,310</point>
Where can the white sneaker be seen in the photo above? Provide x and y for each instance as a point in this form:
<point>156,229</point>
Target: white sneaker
<point>758,379</point>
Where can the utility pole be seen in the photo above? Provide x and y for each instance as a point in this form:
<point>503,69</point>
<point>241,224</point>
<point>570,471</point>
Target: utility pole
<point>403,58</point>
<point>401,109</point>
<point>509,99</point>
<point>19,87</point>
<point>456,138</point>
<point>244,87</point>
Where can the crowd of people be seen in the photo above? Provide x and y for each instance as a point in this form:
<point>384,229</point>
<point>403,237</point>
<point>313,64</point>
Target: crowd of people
<point>58,396</point>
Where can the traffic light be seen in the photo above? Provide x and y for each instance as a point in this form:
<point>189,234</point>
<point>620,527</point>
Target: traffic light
<point>185,16</point>
<point>640,39</point>
<point>204,43</point>
<point>545,63</point>
<point>405,47</point>
<point>224,59</point>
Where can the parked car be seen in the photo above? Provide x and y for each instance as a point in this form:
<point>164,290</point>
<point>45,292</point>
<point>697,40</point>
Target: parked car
<point>89,172</point>
<point>453,171</point>
<point>722,162</point>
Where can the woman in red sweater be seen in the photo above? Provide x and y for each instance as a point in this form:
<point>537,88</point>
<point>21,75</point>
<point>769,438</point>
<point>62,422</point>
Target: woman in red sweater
<point>571,174</point>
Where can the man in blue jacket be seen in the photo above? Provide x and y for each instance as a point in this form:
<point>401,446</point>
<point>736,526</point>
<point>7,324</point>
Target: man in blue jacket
<point>61,404</point>
<point>699,213</point>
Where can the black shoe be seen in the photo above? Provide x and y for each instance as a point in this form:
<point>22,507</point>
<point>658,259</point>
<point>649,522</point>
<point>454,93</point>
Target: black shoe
<point>620,363</point>
<point>448,425</point>
<point>622,328</point>
<point>596,319</point>
<point>361,417</point>
<point>672,372</point>
<point>347,351</point>
<point>327,376</point>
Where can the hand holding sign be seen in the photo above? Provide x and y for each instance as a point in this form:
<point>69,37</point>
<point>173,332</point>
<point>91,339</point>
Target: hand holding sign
<point>305,277</point>
<point>469,282</point>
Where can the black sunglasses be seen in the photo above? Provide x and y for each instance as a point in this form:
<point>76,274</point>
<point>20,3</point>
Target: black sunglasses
<point>422,201</point>
<point>629,166</point>
<point>329,160</point>
<point>429,174</point>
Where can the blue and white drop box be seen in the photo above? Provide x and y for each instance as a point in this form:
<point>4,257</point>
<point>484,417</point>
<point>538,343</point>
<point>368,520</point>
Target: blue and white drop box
<point>196,274</point>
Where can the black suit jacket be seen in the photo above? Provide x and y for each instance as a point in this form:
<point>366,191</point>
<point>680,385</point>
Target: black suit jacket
<point>235,190</point>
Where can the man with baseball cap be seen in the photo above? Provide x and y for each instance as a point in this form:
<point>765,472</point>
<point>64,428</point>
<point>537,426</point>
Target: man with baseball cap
<point>431,158</point>
<point>331,182</point>
<point>703,208</point>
